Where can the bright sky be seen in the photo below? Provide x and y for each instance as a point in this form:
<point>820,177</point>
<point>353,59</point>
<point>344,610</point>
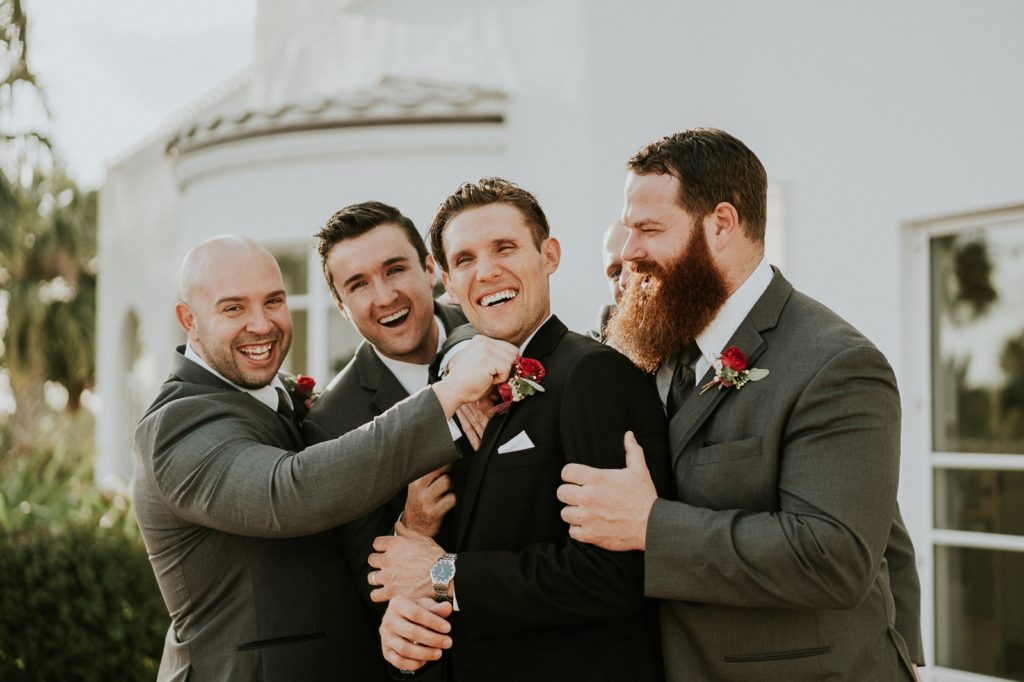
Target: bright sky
<point>115,70</point>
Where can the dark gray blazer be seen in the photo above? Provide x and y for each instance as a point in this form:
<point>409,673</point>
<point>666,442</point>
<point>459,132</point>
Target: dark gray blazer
<point>772,558</point>
<point>236,518</point>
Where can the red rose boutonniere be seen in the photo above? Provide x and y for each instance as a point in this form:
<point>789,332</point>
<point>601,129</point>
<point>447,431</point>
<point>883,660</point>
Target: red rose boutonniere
<point>524,381</point>
<point>304,388</point>
<point>731,370</point>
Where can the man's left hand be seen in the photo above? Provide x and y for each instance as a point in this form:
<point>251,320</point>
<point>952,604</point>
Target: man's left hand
<point>609,507</point>
<point>403,564</point>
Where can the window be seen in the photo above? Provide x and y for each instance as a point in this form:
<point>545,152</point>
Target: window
<point>322,340</point>
<point>972,425</point>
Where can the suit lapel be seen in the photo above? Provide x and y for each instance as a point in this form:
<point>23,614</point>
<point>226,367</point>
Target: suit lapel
<point>376,379</point>
<point>698,408</point>
<point>540,347</point>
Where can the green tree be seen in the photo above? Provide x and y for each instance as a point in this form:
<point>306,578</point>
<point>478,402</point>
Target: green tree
<point>47,248</point>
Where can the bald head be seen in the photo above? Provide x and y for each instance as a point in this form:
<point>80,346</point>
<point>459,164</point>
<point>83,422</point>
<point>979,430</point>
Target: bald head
<point>614,241</point>
<point>234,309</point>
<point>218,254</point>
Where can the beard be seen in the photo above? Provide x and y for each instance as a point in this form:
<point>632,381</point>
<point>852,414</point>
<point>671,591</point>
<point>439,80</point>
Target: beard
<point>664,308</point>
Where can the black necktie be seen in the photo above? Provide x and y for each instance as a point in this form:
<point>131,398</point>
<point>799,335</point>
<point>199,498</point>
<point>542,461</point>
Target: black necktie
<point>684,378</point>
<point>284,404</point>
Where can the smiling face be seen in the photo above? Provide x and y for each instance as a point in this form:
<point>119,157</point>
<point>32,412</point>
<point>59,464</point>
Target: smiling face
<point>386,292</point>
<point>235,310</point>
<point>618,277</point>
<point>497,273</point>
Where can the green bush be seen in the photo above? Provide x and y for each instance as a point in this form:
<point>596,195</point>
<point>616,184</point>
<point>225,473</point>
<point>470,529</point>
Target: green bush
<point>79,605</point>
<point>78,600</point>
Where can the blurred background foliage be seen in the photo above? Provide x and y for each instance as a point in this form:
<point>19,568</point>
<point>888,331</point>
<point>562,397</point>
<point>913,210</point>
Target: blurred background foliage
<point>78,599</point>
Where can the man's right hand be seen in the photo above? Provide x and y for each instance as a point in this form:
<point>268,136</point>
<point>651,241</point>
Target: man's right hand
<point>472,372</point>
<point>414,632</point>
<point>430,497</point>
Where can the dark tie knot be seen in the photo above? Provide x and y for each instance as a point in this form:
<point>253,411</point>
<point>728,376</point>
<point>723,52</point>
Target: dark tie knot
<point>284,403</point>
<point>684,378</point>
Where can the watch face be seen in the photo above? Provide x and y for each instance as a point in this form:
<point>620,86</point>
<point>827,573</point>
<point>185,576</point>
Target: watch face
<point>442,571</point>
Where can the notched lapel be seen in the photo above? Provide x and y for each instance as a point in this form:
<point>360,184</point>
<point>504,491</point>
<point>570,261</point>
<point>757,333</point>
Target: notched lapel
<point>698,407</point>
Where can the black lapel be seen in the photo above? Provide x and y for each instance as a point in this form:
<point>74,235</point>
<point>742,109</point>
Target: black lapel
<point>540,347</point>
<point>697,408</point>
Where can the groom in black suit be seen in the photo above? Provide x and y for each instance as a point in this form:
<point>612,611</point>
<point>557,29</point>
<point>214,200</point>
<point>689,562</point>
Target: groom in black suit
<point>530,603</point>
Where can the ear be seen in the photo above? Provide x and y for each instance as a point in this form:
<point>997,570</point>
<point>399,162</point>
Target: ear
<point>186,318</point>
<point>721,226</point>
<point>430,267</point>
<point>451,294</point>
<point>551,251</point>
<point>344,311</point>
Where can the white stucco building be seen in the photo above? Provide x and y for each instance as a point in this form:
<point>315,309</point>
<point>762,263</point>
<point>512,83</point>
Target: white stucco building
<point>893,141</point>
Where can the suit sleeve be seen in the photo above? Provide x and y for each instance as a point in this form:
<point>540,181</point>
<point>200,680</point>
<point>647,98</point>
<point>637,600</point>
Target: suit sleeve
<point>906,587</point>
<point>562,583</point>
<point>838,473</point>
<point>216,470</point>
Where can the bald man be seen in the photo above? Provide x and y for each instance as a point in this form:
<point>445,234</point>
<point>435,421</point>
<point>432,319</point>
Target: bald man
<point>236,516</point>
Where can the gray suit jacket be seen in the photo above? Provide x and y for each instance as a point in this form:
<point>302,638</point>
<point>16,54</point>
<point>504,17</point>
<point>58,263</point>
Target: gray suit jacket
<point>772,559</point>
<point>236,520</point>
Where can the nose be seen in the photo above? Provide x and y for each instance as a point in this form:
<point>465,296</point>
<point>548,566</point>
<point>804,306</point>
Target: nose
<point>632,251</point>
<point>487,269</point>
<point>384,294</point>
<point>259,321</point>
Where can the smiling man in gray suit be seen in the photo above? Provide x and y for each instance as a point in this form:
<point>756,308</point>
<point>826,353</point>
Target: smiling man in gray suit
<point>783,556</point>
<point>235,515</point>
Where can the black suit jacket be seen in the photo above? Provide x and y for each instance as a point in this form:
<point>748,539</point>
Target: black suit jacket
<point>237,521</point>
<point>535,605</point>
<point>364,390</point>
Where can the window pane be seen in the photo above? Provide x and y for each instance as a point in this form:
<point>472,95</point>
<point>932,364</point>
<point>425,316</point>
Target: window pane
<point>979,601</point>
<point>293,271</point>
<point>977,293</point>
<point>983,501</point>
<point>342,341</point>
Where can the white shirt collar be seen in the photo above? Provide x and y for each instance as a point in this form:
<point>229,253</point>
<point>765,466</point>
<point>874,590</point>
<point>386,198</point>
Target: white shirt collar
<point>267,395</point>
<point>730,316</point>
<point>413,377</point>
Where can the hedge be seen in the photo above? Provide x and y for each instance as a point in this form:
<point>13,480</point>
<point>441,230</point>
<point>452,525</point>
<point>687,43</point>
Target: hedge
<point>79,605</point>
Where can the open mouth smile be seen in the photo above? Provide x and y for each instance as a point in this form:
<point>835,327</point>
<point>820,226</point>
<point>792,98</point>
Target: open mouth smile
<point>257,352</point>
<point>497,298</point>
<point>395,319</point>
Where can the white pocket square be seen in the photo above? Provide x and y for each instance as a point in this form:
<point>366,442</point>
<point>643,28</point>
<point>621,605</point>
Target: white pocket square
<point>520,441</point>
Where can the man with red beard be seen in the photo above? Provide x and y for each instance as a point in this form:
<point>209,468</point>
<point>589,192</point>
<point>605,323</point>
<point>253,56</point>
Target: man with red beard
<point>783,555</point>
<point>236,515</point>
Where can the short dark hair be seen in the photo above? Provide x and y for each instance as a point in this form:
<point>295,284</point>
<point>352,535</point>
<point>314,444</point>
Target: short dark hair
<point>712,166</point>
<point>358,219</point>
<point>491,190</point>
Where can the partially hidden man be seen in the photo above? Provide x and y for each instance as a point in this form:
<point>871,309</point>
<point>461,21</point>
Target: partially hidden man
<point>236,515</point>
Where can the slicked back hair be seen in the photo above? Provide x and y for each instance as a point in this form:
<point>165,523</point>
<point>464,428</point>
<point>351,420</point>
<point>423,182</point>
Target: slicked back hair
<point>356,220</point>
<point>486,191</point>
<point>712,166</point>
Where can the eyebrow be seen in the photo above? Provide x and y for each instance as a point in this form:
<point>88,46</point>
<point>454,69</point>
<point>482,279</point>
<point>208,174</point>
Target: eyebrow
<point>387,263</point>
<point>239,299</point>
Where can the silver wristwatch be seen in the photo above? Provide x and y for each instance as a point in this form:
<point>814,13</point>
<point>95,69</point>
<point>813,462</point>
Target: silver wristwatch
<point>441,574</point>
